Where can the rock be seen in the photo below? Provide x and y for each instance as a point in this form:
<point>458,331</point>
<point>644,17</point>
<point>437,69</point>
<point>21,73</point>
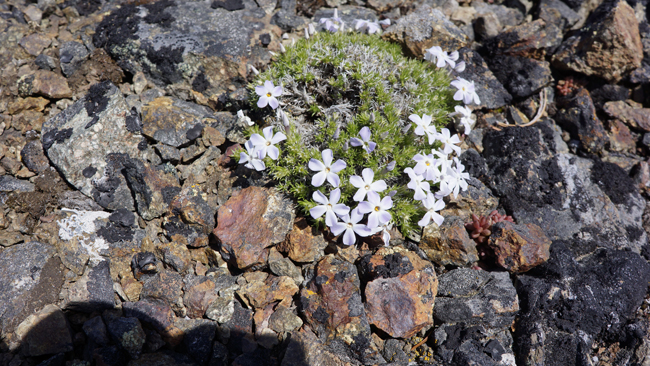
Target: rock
<point>9,238</point>
<point>29,103</point>
<point>347,13</point>
<point>95,330</point>
<point>158,40</point>
<point>172,121</point>
<point>285,267</point>
<point>305,349</point>
<point>486,26</point>
<point>128,334</point>
<point>33,157</point>
<point>165,287</point>
<point>552,11</point>
<point>44,333</point>
<point>304,243</point>
<point>522,76</point>
<point>45,83</point>
<point>238,329</point>
<point>30,278</point>
<point>198,337</point>
<point>489,89</point>
<point>284,320</point>
<point>288,20</point>
<point>331,304</point>
<point>154,187</point>
<point>578,117</point>
<point>35,43</point>
<point>423,29</point>
<point>175,255</point>
<point>71,55</point>
<point>200,292</point>
<point>164,358</point>
<point>197,169</point>
<point>473,345</point>
<point>629,112</point>
<point>394,352</point>
<point>90,144</point>
<point>384,5</point>
<point>476,297</point>
<point>93,291</point>
<point>529,40</point>
<point>596,296</point>
<point>212,137</point>
<point>641,75</point>
<point>400,293</point>
<point>45,62</point>
<point>168,153</point>
<point>621,138</point>
<point>518,248</point>
<point>449,243</point>
<point>33,14</point>
<point>609,92</point>
<point>608,46</point>
<point>11,184</point>
<point>477,199</point>
<point>159,316</point>
<point>259,294</point>
<point>508,16</point>
<point>271,215</point>
<point>144,263</point>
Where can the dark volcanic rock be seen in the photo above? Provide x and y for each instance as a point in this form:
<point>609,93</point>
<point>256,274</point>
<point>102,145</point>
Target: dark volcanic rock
<point>166,38</point>
<point>566,306</point>
<point>331,303</point>
<point>521,76</point>
<point>93,291</point>
<point>489,89</point>
<point>532,40</point>
<point>48,333</point>
<point>578,116</point>
<point>71,55</point>
<point>33,157</point>
<point>128,334</point>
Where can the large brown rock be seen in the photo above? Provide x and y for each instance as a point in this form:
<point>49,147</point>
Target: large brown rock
<point>400,298</point>
<point>304,243</point>
<point>629,112</point>
<point>423,29</point>
<point>519,248</point>
<point>331,304</point>
<point>258,294</point>
<point>45,83</point>
<point>449,243</point>
<point>608,47</point>
<point>250,222</point>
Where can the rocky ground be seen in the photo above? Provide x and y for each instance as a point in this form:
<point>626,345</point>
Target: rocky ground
<point>128,235</point>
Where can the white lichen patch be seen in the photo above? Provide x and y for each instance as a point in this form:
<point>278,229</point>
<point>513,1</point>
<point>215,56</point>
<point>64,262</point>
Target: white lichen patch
<point>81,225</point>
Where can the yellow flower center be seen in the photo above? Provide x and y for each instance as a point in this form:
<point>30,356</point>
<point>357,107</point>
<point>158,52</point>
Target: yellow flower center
<point>367,187</point>
<point>268,95</point>
<point>377,208</point>
<point>327,169</point>
<point>428,163</point>
<point>268,143</point>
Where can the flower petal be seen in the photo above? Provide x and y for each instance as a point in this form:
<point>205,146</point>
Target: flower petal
<point>384,217</point>
<point>328,156</point>
<point>335,196</point>
<point>362,230</point>
<point>330,218</point>
<point>333,178</point>
<point>278,138</point>
<point>268,133</point>
<point>277,91</point>
<point>263,102</point>
<point>338,228</point>
<point>338,166</point>
<point>373,220</point>
<point>386,202</point>
<point>378,186</point>
<point>365,207</point>
<point>318,179</point>
<point>273,152</point>
<point>360,195</point>
<point>317,211</point>
<point>341,210</point>
<point>371,146</point>
<point>268,86</point>
<point>356,181</point>
<point>260,90</point>
<point>316,165</point>
<point>273,102</point>
<point>355,142</point>
<point>368,175</point>
<point>349,238</point>
<point>365,133</point>
<point>319,197</point>
<point>425,220</point>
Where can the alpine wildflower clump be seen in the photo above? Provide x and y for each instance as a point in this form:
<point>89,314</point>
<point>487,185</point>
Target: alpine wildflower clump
<point>356,134</point>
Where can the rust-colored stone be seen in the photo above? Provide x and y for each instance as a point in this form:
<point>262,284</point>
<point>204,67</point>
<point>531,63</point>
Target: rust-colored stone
<point>198,297</point>
<point>620,137</point>
<point>212,137</point>
<point>164,287</point>
<point>518,248</point>
<point>258,294</point>
<point>400,298</point>
<point>449,243</point>
<point>250,222</point>
<point>50,85</point>
<point>304,243</point>
<point>29,103</point>
<point>629,112</point>
<point>35,43</point>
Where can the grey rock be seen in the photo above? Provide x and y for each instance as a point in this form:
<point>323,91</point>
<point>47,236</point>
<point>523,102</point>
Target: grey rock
<point>285,267</point>
<point>11,184</point>
<point>30,278</point>
<point>174,122</point>
<point>128,334</point>
<point>89,142</point>
<point>45,62</point>
<point>197,341</point>
<point>347,13</point>
<point>78,201</point>
<point>480,298</point>
<point>219,355</point>
<point>71,55</point>
<point>556,11</point>
<point>46,332</point>
<point>521,76</point>
<point>284,320</point>
<point>641,75</point>
<point>489,89</point>
<point>394,352</point>
<point>237,328</point>
<point>288,20</point>
<point>473,345</point>
<point>165,287</point>
<point>93,291</point>
<point>486,26</point>
<point>577,115</point>
<point>33,157</point>
<point>95,330</point>
<point>168,153</point>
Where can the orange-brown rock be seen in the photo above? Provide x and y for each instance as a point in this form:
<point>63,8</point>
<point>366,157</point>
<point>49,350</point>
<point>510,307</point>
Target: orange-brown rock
<point>304,243</point>
<point>250,222</point>
<point>401,295</point>
<point>631,113</point>
<point>198,296</point>
<point>519,248</point>
<point>449,243</point>
<point>258,294</point>
<point>45,83</point>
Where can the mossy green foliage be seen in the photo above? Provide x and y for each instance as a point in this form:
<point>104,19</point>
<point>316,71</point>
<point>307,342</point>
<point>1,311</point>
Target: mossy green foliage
<point>337,83</point>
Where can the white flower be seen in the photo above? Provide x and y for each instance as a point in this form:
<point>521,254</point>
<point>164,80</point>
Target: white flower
<point>433,53</point>
<point>385,22</point>
<point>366,184</point>
<point>327,169</point>
<point>440,57</point>
<point>267,93</point>
<point>460,67</point>
<point>456,178</point>
<point>377,208</point>
<point>385,234</point>
<point>242,118</point>
<point>424,126</point>
<point>334,23</point>
<point>426,166</point>
<point>466,91</point>
<point>368,145</point>
<point>418,184</point>
<point>351,226</point>
<point>265,145</point>
<point>360,24</point>
<point>444,191</point>
<point>465,117</point>
<point>450,141</point>
<point>252,159</point>
<point>331,208</point>
<point>432,205</point>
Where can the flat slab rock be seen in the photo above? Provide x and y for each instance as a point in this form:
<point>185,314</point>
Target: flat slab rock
<point>90,141</point>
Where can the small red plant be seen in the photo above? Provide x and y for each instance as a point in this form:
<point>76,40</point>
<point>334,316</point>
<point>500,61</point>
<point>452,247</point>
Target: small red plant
<point>566,86</point>
<point>481,227</point>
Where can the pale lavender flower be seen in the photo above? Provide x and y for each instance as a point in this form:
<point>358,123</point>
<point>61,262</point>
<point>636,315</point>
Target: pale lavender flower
<point>418,184</point>
<point>265,145</point>
<point>330,207</point>
<point>365,142</point>
<point>377,208</point>
<point>456,178</point>
<point>466,91</point>
<point>441,58</point>
<point>327,169</point>
<point>384,23</point>
<point>385,234</point>
<point>450,141</point>
<point>424,126</point>
<point>465,117</point>
<point>372,27</point>
<point>460,67</point>
<point>267,93</point>
<point>332,24</point>
<point>252,158</point>
<point>427,166</point>
<point>366,184</point>
<point>444,190</point>
<point>351,227</point>
<point>433,206</point>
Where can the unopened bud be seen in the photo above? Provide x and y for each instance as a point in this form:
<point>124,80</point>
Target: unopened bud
<point>254,70</point>
<point>337,133</point>
<point>391,194</point>
<point>372,118</point>
<point>282,49</point>
<point>311,28</point>
<point>306,34</point>
<point>346,146</point>
<point>391,166</point>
